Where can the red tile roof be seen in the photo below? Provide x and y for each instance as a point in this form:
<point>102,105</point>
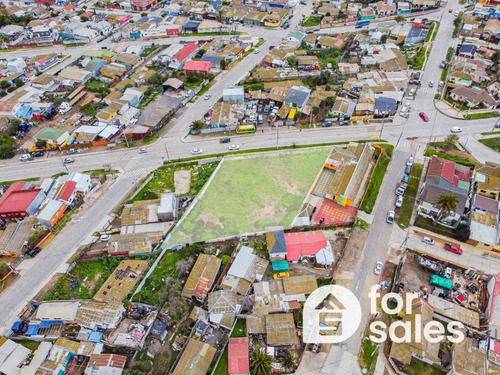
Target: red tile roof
<point>17,200</point>
<point>304,244</point>
<point>185,52</point>
<point>447,170</point>
<point>203,66</point>
<point>69,7</point>
<point>107,360</point>
<point>66,191</point>
<point>238,356</point>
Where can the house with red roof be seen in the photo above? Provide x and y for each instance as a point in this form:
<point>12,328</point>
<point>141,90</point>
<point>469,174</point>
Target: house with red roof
<point>105,364</point>
<point>311,245</point>
<point>20,201</point>
<point>196,67</point>
<point>238,362</point>
<point>67,193</point>
<point>445,177</point>
<point>183,55</point>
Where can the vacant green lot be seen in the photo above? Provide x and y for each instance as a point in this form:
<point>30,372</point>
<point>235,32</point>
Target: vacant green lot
<point>376,179</point>
<point>457,159</point>
<point>410,196</point>
<point>493,143</point>
<point>250,193</point>
<point>84,280</point>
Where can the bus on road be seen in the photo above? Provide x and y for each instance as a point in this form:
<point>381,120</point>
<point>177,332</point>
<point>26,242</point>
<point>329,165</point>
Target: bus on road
<point>361,24</point>
<point>245,128</point>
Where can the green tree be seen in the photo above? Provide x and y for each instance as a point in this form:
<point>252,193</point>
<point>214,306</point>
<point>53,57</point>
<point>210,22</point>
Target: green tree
<point>329,101</point>
<point>197,125</point>
<point>13,126</point>
<point>293,60</point>
<point>47,4</point>
<point>383,38</point>
<point>225,259</point>
<point>445,203</point>
<point>260,362</point>
<point>323,77</point>
<point>223,64</point>
<point>19,82</point>
<point>450,142</point>
<point>144,14</point>
<point>84,19</point>
<point>4,84</point>
<point>157,79</point>
<point>399,19</point>
<point>6,147</point>
<point>288,362</point>
<point>41,143</point>
<point>315,110</point>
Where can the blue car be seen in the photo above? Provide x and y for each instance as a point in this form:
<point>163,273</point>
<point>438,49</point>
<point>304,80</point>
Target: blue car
<point>405,179</point>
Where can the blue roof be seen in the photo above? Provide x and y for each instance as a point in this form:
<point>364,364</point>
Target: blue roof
<point>32,329</point>
<point>191,24</point>
<point>48,323</point>
<point>280,265</point>
<point>276,241</point>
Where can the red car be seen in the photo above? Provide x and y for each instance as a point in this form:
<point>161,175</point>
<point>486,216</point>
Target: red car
<point>450,10</point>
<point>453,248</point>
<point>423,116</point>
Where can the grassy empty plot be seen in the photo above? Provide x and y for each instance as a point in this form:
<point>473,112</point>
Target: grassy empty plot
<point>250,193</point>
<point>84,280</point>
<point>477,116</point>
<point>457,159</point>
<point>376,180</point>
<point>410,196</point>
<point>493,143</point>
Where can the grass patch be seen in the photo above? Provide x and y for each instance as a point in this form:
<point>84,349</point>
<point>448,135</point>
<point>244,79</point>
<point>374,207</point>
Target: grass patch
<point>427,223</point>
<point>10,182</point>
<point>249,194</point>
<point>437,96</point>
<point>147,51</point>
<point>456,159</point>
<point>312,21</point>
<point>477,116</point>
<point>444,145</point>
<point>433,29</point>
<point>222,366</point>
<point>163,179</point>
<point>368,355</point>
<point>239,329</point>
<point>360,223</point>
<point>204,89</point>
<point>375,182</point>
<point>97,172</point>
<point>59,174</point>
<point>490,133</point>
<point>493,143</point>
<point>84,280</point>
<point>410,196</point>
<point>418,367</point>
<point>30,344</point>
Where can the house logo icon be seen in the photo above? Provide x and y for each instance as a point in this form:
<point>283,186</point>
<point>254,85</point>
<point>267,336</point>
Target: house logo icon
<point>331,315</point>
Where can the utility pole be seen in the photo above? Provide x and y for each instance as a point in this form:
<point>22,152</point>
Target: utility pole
<point>64,164</point>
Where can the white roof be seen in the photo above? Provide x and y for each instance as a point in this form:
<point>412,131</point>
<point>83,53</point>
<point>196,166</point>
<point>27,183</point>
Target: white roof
<point>57,311</point>
<point>109,131</point>
<point>167,203</point>
<point>325,256</point>
<point>484,233</point>
<point>50,209</point>
<point>38,357</point>
<point>237,90</point>
<point>89,129</point>
<point>242,262</point>
<point>12,355</point>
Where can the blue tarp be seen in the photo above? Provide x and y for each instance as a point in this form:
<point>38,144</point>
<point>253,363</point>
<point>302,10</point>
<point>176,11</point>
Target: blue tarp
<point>95,336</point>
<point>48,323</point>
<point>32,329</point>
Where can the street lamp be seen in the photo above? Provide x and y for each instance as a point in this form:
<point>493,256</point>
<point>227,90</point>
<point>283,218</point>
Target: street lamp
<point>166,150</point>
<point>64,164</point>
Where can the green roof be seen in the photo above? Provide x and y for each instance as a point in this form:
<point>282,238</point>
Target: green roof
<point>441,282</point>
<point>49,133</point>
<point>280,265</point>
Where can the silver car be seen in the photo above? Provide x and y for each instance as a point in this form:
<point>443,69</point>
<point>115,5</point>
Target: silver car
<point>378,268</point>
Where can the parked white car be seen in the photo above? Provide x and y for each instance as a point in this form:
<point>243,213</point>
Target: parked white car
<point>456,129</point>
<point>234,147</point>
<point>428,240</point>
<point>25,157</point>
<point>390,216</point>
<point>399,201</point>
<point>196,151</point>
<point>378,268</point>
<point>143,150</point>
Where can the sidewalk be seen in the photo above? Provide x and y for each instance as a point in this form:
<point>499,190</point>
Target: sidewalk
<point>451,112</point>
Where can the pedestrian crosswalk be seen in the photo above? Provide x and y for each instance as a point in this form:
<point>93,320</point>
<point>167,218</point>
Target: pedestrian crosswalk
<point>136,173</point>
<point>403,145</point>
<point>427,90</point>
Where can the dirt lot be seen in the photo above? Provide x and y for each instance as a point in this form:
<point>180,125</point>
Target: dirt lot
<point>343,273</point>
<point>413,276</point>
<point>182,180</point>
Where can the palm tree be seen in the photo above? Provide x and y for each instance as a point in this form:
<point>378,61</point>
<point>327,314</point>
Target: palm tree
<point>197,125</point>
<point>288,362</point>
<point>446,203</point>
<point>260,363</point>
